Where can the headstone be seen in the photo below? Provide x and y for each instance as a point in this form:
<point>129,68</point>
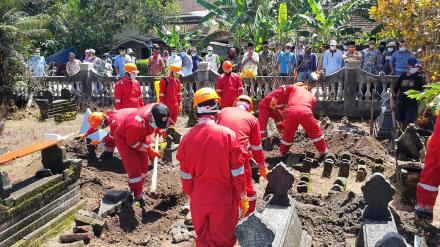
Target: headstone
<point>65,94</point>
<point>5,185</point>
<point>280,181</point>
<point>384,123</point>
<point>409,143</point>
<point>328,166</point>
<point>252,232</point>
<point>344,168</point>
<point>378,193</point>
<point>112,202</point>
<point>42,173</point>
<point>361,172</point>
<point>307,165</point>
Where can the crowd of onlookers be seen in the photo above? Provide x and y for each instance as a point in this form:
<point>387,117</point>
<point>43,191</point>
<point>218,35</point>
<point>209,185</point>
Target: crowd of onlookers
<point>297,60</point>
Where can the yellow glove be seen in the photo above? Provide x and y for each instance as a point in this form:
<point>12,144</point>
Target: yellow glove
<point>273,104</point>
<point>244,205</point>
<point>263,172</point>
<point>180,108</point>
<point>95,143</point>
<point>82,136</point>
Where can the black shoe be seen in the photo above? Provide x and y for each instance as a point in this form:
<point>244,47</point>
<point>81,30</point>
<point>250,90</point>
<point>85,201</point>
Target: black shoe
<point>423,215</point>
<point>106,155</point>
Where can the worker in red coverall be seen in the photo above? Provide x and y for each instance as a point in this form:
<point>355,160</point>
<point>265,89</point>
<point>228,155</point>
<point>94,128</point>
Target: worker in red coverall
<point>427,188</point>
<point>169,92</point>
<point>272,106</point>
<point>133,140</point>
<point>100,120</point>
<point>246,127</point>
<point>128,93</point>
<point>299,112</point>
<point>213,174</point>
<point>228,85</point>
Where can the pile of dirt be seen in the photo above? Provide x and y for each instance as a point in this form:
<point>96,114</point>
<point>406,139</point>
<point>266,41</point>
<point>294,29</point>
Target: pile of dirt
<point>408,226</point>
<point>331,220</point>
<point>132,225</point>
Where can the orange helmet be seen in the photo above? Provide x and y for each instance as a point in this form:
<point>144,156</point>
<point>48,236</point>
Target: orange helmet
<point>131,68</point>
<point>95,119</point>
<point>176,68</point>
<point>246,99</point>
<point>205,94</point>
<point>227,66</point>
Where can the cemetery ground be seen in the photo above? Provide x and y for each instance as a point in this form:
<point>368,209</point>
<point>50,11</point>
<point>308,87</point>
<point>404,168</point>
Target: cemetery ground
<point>331,220</point>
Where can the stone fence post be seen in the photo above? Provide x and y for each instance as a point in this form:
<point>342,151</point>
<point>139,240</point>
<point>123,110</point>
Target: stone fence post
<point>85,74</point>
<point>350,87</point>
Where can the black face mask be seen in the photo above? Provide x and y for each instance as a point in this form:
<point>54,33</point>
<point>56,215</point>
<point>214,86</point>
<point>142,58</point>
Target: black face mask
<point>381,48</point>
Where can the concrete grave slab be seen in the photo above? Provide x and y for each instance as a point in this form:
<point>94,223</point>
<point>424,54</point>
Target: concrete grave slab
<point>252,232</point>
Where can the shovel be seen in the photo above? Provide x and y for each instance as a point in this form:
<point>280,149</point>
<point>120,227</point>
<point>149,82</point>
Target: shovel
<point>155,164</point>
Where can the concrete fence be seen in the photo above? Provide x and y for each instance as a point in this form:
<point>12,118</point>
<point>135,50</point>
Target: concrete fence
<point>348,92</point>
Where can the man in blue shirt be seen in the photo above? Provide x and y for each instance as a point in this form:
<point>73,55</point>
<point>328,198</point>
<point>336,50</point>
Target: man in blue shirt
<point>37,64</point>
<point>196,59</point>
<point>119,62</point>
<point>306,65</point>
<point>399,60</point>
<point>332,59</point>
<point>286,61</point>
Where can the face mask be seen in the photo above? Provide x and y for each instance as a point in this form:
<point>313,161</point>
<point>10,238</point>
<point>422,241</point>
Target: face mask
<point>209,53</point>
<point>413,70</point>
<point>287,50</point>
<point>372,46</point>
<point>176,75</point>
<point>122,52</point>
<point>193,54</point>
<point>133,75</point>
<point>345,47</point>
<point>183,53</point>
<point>333,48</point>
<point>173,53</point>
<point>390,49</point>
<point>402,49</point>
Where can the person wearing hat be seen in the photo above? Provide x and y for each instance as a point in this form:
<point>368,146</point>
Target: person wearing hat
<point>128,93</point>
<point>386,57</point>
<point>87,57</point>
<point>251,59</point>
<point>406,108</point>
<point>130,56</point>
<point>156,63</point>
<point>212,173</point>
<point>196,59</point>
<point>228,85</point>
<point>120,62</point>
<point>174,58</point>
<point>170,92</point>
<point>332,61</point>
<point>102,120</point>
<point>37,64</point>
<point>94,59</point>
<point>266,60</point>
<point>286,61</point>
<point>212,59</point>
<point>105,67</point>
<point>133,138</point>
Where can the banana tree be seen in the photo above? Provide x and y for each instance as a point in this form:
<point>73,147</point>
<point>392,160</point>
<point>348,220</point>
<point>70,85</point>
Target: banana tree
<point>174,39</point>
<point>329,21</point>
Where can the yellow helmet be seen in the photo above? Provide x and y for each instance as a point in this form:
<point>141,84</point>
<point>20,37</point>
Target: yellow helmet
<point>95,119</point>
<point>247,99</point>
<point>205,94</point>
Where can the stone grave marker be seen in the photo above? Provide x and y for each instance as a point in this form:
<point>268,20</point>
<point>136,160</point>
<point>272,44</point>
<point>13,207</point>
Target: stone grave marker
<point>252,232</point>
<point>280,181</point>
<point>378,193</point>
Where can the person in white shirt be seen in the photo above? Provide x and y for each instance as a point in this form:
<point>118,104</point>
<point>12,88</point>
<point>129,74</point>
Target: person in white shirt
<point>174,58</point>
<point>332,61</point>
<point>212,59</point>
<point>251,59</point>
<point>130,55</point>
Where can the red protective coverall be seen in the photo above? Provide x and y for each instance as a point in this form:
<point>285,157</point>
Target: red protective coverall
<point>228,87</point>
<point>427,188</point>
<point>133,139</point>
<point>212,173</point>
<point>128,94</point>
<point>112,119</point>
<point>299,111</point>
<point>281,95</point>
<point>247,129</point>
<point>170,96</point>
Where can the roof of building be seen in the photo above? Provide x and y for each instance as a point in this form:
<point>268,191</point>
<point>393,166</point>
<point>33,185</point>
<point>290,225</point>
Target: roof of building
<point>188,7</point>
